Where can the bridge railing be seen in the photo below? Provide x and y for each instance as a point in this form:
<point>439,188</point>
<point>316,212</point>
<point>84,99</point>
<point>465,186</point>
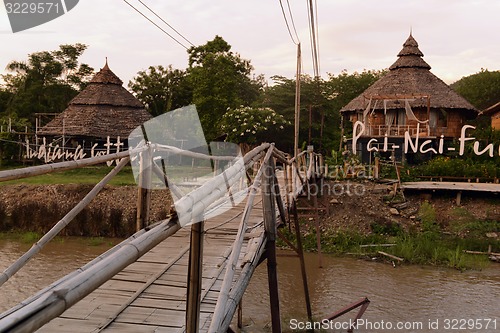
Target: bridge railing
<point>61,295</point>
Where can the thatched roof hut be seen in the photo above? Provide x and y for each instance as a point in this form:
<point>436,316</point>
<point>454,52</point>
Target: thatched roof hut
<point>104,108</point>
<point>410,76</point>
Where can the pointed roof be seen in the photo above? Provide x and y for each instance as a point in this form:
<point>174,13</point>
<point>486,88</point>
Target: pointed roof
<point>104,108</point>
<point>410,75</point>
<point>410,56</point>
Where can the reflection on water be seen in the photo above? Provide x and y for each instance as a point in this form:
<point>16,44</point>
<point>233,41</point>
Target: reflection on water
<point>406,293</point>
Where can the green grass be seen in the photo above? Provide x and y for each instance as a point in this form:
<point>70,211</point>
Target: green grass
<point>428,247</point>
<point>94,174</point>
<point>87,175</point>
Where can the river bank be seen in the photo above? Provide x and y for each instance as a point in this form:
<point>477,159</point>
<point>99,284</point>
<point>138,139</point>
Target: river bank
<point>36,208</point>
<point>425,228</point>
<point>420,228</point>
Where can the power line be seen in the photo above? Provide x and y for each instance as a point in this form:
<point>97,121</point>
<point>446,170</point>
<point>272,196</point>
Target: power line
<point>152,11</point>
<point>291,18</point>
<point>313,37</point>
<point>287,25</point>
<point>156,25</point>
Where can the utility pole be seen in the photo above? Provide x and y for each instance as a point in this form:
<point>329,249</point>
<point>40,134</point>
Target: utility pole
<point>297,102</point>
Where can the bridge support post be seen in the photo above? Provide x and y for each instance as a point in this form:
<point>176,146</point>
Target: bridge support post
<point>270,225</point>
<point>144,191</point>
<point>195,270</point>
<point>300,252</point>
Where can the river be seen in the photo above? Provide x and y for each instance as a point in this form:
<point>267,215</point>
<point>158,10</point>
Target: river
<point>424,299</point>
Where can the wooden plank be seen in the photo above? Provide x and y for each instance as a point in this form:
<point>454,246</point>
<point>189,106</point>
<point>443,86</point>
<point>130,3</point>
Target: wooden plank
<point>457,186</point>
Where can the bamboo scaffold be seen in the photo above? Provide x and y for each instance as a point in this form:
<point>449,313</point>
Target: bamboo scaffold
<point>53,300</point>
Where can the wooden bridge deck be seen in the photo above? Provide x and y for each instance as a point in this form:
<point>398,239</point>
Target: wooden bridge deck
<point>150,294</point>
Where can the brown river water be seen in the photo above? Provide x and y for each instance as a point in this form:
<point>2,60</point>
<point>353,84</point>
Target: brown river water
<point>403,299</point>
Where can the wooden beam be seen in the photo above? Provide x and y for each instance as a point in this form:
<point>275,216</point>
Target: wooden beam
<point>270,226</point>
<point>195,270</point>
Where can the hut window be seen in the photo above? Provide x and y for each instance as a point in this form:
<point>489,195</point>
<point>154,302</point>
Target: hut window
<point>401,120</point>
<point>442,118</point>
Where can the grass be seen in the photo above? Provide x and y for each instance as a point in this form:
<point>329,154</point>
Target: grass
<point>427,247</point>
<point>87,175</point>
<point>94,174</point>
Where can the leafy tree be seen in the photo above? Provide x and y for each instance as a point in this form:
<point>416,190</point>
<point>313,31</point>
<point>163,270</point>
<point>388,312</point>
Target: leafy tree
<point>221,80</point>
<point>321,100</point>
<point>161,89</point>
<point>47,81</point>
<point>481,89</point>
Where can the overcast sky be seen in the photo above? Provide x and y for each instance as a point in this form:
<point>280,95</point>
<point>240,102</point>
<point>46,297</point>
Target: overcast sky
<point>457,37</point>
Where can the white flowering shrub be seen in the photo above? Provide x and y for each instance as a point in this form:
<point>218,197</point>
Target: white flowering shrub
<point>252,125</point>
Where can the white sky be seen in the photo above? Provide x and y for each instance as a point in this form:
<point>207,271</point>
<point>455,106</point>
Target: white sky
<point>457,37</point>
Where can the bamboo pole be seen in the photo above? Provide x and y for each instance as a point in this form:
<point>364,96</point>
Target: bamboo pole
<point>62,166</point>
<point>195,269</point>
<point>196,202</point>
<point>72,274</point>
<point>56,301</point>
<point>241,284</point>
<point>16,266</point>
<point>219,313</point>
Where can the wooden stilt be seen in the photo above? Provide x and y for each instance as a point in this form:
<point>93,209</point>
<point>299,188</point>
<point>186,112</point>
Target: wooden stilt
<point>194,278</point>
<point>300,252</point>
<point>144,190</point>
<point>317,223</point>
<point>269,210</point>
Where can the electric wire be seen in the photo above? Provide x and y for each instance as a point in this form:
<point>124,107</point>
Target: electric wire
<point>156,25</point>
<point>171,27</point>
<point>291,18</point>
<point>288,26</point>
<point>313,37</point>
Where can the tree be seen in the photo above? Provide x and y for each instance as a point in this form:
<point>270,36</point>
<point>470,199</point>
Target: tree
<point>47,81</point>
<point>221,81</point>
<point>481,89</point>
<point>320,102</point>
<point>161,89</point>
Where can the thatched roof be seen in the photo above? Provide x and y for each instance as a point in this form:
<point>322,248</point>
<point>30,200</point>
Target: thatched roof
<point>104,108</point>
<point>410,76</point>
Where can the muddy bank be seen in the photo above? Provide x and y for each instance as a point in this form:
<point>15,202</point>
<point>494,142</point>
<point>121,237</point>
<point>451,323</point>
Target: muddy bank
<point>111,214</point>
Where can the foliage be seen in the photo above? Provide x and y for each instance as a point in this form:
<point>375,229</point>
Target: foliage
<point>252,125</point>
<point>457,167</point>
<point>47,81</point>
<point>321,101</point>
<point>481,89</point>
<point>161,89</point>
<point>220,79</point>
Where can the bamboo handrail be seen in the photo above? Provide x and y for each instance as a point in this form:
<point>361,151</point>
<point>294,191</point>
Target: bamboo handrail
<point>62,297</point>
<point>62,294</point>
<point>19,263</point>
<point>6,175</point>
<point>235,253</point>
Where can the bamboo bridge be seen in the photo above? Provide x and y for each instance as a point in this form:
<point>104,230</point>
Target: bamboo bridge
<point>169,277</point>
